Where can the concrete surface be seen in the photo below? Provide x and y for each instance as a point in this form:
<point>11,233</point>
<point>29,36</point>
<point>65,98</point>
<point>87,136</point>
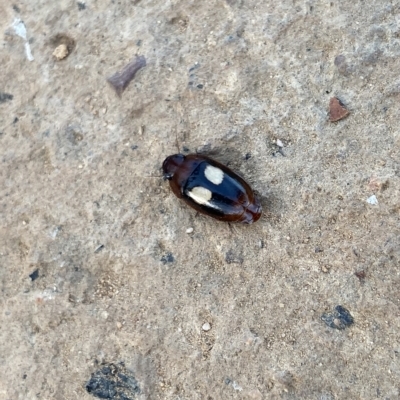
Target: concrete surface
<point>80,169</point>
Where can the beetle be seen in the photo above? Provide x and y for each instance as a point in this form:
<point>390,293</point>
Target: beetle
<point>211,188</point>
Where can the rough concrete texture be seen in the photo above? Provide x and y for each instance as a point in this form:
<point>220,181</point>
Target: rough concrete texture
<point>80,169</point>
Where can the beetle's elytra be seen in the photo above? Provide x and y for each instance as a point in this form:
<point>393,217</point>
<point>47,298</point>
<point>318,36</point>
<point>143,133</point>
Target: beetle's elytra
<point>211,188</point>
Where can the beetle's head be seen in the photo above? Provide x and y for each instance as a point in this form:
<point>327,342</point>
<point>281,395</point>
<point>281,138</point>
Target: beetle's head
<point>171,164</point>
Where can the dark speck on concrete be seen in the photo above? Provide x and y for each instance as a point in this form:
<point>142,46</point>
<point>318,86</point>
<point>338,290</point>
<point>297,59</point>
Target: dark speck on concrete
<point>99,248</point>
<point>340,318</point>
<point>200,86</point>
<point>34,275</point>
<point>134,147</point>
<point>81,6</point>
<point>167,258</point>
<point>16,8</point>
<point>121,79</point>
<point>233,258</point>
<point>113,382</point>
<point>360,275</point>
<point>191,69</point>
<point>5,97</point>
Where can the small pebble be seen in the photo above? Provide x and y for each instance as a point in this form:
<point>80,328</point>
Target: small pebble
<point>113,381</point>
<point>206,327</point>
<point>189,230</point>
<point>337,110</point>
<point>6,97</point>
<point>372,200</point>
<point>167,258</point>
<point>60,52</point>
<point>104,314</point>
<point>340,318</point>
<point>121,79</point>
<point>236,386</point>
<point>99,248</point>
<point>279,143</point>
<point>34,275</point>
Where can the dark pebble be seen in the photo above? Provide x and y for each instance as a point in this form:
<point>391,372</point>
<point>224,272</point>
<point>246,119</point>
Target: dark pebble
<point>360,275</point>
<point>340,318</point>
<point>121,79</point>
<point>113,382</point>
<point>81,6</point>
<point>34,275</point>
<point>100,248</point>
<point>167,258</point>
<point>5,97</point>
<point>191,69</point>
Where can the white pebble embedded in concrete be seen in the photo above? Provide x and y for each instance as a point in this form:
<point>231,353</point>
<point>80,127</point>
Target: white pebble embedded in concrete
<point>206,327</point>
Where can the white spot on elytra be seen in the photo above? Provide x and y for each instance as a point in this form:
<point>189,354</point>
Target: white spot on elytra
<point>200,195</point>
<point>214,174</point>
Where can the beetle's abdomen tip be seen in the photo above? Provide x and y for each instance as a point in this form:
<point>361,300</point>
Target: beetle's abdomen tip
<point>253,212</point>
